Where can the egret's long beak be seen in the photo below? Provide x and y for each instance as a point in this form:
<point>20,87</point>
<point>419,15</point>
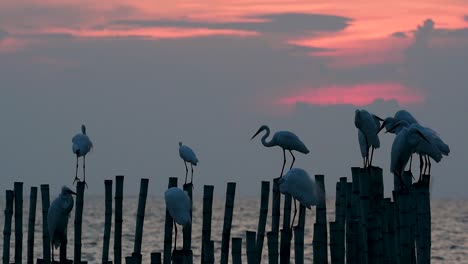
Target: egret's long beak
<point>381,127</point>
<point>72,192</point>
<point>391,129</point>
<point>380,119</point>
<point>256,134</point>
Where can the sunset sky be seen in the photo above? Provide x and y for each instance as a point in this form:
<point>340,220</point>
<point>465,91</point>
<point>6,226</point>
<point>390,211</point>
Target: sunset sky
<point>144,75</point>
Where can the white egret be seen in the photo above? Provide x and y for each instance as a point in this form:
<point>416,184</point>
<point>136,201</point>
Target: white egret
<point>403,146</point>
<point>81,146</point>
<point>187,154</point>
<point>368,124</point>
<point>284,139</point>
<point>301,187</point>
<point>178,204</point>
<point>57,217</point>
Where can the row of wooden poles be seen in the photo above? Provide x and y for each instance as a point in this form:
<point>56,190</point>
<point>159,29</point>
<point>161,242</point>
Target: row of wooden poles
<point>368,228</point>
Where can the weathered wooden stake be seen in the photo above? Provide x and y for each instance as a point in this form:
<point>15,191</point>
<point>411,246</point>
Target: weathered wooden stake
<point>45,198</point>
<point>251,247</point>
<point>272,238</point>
<point>207,213</point>
<point>78,220</point>
<point>423,220</point>
<point>118,219</point>
<point>299,244</point>
<point>364,186</point>
<point>351,226</point>
<point>265,193</point>
<point>320,238</point>
<point>228,210</point>
<point>169,222</point>
<point>236,250</point>
<point>334,242</point>
<point>18,189</point>
<point>107,220</point>
<point>275,221</point>
<point>286,233</point>
<point>209,253</point>
<point>31,224</point>
<point>187,230</point>
<point>7,226</point>
<point>155,258</point>
<point>140,217</point>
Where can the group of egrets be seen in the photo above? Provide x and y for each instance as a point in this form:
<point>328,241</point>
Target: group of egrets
<point>411,137</point>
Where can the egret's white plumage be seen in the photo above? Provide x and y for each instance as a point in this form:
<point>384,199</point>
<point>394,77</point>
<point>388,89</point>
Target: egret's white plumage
<point>368,126</point>
<point>401,115</point>
<point>297,183</point>
<point>187,154</point>
<point>81,146</point>
<point>284,139</point>
<point>57,217</point>
<point>178,204</point>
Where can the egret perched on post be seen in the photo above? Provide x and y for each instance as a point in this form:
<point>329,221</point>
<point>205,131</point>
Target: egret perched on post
<point>284,139</point>
<point>401,115</point>
<point>81,146</point>
<point>301,187</point>
<point>368,124</point>
<point>57,218</point>
<point>178,204</point>
<point>403,146</point>
<point>187,154</point>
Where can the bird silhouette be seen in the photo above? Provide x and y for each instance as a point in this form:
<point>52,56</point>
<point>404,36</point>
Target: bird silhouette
<point>179,205</point>
<point>81,146</point>
<point>57,218</point>
<point>301,187</point>
<point>284,139</point>
<point>187,155</point>
<point>368,126</point>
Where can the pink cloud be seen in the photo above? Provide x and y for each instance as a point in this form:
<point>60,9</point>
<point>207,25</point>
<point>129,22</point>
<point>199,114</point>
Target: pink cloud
<point>358,95</point>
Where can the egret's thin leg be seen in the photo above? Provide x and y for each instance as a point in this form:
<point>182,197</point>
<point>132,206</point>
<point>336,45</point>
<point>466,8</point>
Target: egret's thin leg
<point>429,165</point>
<point>294,216</point>
<point>420,167</point>
<point>410,161</point>
<point>371,157</point>
<point>175,236</point>
<point>425,164</point>
<point>294,159</point>
<point>186,171</point>
<point>191,179</point>
<point>76,171</point>
<point>84,171</point>
<point>284,162</point>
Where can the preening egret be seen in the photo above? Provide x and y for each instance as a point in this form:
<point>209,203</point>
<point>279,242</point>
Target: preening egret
<point>301,187</point>
<point>81,146</point>
<point>284,139</point>
<point>368,124</point>
<point>187,154</point>
<point>178,204</point>
<point>403,146</point>
<point>57,217</point>
<point>433,149</point>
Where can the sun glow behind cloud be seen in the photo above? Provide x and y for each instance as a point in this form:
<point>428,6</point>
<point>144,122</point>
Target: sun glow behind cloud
<point>358,95</point>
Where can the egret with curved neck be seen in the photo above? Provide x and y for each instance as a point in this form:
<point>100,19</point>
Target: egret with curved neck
<point>284,139</point>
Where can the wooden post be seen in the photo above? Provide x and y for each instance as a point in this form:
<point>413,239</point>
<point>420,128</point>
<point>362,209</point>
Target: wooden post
<point>364,189</point>
<point>207,213</point>
<point>250,244</point>
<point>209,253</point>
<point>236,250</point>
<point>118,219</point>
<point>78,220</point>
<point>107,220</point>
<point>228,209</point>
<point>187,230</point>
<point>272,239</point>
<point>351,225</point>
<point>334,242</point>
<point>286,233</point>
<point>405,240</point>
<point>320,238</point>
<point>31,224</point>
<point>265,193</point>
<point>396,226</point>
<point>299,245</point>
<point>140,216</point>
<point>7,226</point>
<point>388,232</point>
<point>423,220</point>
<point>129,260</point>
<point>155,258</point>
<point>45,198</point>
<point>169,222</point>
<point>340,218</point>
<point>18,189</point>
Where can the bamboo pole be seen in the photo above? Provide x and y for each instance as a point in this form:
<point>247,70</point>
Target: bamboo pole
<point>31,224</point>
<point>396,226</point>
<point>340,218</point>
<point>250,244</point>
<point>187,230</point>
<point>320,238</point>
<point>388,232</point>
<point>129,260</point>
<point>168,228</point>
<point>45,230</point>
<point>424,220</point>
<point>265,193</point>
<point>118,219</point>
<point>107,220</point>
<point>334,242</point>
<point>299,245</point>
<point>207,213</point>
<point>155,258</point>
<point>209,253</point>
<point>236,250</point>
<point>364,189</point>
<point>272,239</point>
<point>7,226</point>
<point>351,224</point>
<point>286,233</point>
<point>140,218</point>
<point>18,189</point>
<point>405,239</point>
<point>228,209</point>
<point>78,220</point>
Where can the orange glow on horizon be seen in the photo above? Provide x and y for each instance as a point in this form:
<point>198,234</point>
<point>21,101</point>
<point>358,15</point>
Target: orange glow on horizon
<point>358,95</point>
